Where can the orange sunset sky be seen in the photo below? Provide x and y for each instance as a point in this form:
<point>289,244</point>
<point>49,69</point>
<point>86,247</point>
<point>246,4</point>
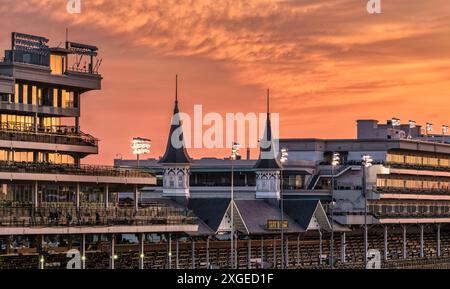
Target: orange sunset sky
<point>327,62</point>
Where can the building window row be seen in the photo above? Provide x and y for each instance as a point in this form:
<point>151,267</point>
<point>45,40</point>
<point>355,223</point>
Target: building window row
<point>42,157</point>
<point>42,96</point>
<point>439,183</point>
<point>419,160</point>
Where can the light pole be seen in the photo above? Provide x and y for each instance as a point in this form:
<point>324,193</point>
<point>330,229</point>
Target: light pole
<point>283,159</point>
<point>334,162</point>
<point>234,154</point>
<point>366,163</point>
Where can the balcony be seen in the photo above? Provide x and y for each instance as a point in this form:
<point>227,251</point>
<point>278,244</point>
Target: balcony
<point>62,217</point>
<point>86,170</point>
<point>416,191</point>
<point>63,135</point>
<point>418,167</point>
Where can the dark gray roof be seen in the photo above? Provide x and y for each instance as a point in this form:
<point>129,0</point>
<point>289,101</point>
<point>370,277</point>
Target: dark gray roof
<point>175,155</point>
<point>256,213</point>
<point>210,210</point>
<point>301,211</point>
<point>269,161</point>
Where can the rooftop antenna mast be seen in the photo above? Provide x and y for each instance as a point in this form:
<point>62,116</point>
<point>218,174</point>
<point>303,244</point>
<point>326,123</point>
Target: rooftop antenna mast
<point>176,89</point>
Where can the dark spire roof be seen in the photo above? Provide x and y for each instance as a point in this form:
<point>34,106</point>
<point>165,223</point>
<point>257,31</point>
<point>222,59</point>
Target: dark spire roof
<point>175,153</point>
<point>267,154</point>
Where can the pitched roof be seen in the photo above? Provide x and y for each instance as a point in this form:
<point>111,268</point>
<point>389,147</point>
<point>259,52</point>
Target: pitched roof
<point>303,211</point>
<point>256,213</point>
<point>210,210</point>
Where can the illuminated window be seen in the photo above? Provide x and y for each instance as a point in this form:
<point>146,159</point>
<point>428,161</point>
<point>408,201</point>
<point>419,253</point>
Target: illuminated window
<point>57,64</point>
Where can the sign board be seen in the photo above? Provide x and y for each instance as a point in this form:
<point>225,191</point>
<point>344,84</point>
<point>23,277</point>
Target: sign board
<point>29,43</point>
<point>141,146</point>
<point>276,224</point>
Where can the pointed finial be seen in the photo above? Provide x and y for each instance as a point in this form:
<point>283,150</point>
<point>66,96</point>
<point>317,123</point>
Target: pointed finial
<point>176,88</point>
<point>268,99</point>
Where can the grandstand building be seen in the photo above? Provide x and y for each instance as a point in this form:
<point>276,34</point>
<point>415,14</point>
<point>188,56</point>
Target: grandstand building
<point>406,196</point>
<point>49,201</point>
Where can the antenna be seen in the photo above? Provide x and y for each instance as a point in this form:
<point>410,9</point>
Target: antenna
<point>67,38</point>
<point>176,88</point>
<point>268,99</point>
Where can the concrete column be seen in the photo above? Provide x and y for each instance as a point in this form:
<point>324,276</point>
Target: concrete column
<point>77,196</point>
<point>262,252</point>
<point>404,242</point>
<point>385,253</point>
<point>193,253</point>
<point>439,240</point>
<point>35,122</point>
<point>107,196</point>
<point>35,195</point>
<point>170,250</point>
<point>286,258</point>
<point>274,252</point>
<point>83,251</point>
<point>41,252</point>
<point>298,250</point>
<point>207,253</point>
<point>141,251</point>
<point>320,247</point>
<point>77,123</point>
<point>421,242</point>
<point>343,247</point>
<point>112,252</point>
<point>249,247</point>
<point>136,198</point>
<point>177,248</point>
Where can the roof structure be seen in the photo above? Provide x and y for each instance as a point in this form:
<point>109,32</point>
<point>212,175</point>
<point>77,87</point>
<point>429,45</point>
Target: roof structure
<point>176,150</point>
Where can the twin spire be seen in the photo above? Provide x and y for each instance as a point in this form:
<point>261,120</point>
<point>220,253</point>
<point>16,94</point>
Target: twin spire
<point>176,153</point>
<point>175,150</point>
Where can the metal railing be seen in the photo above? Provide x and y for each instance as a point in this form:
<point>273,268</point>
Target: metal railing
<point>156,214</point>
<point>90,170</point>
<point>57,135</point>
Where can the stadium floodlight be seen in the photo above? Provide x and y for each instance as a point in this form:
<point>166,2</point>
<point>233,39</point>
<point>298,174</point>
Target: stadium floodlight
<point>444,129</point>
<point>367,161</point>
<point>395,121</point>
<point>412,124</point>
<point>429,127</point>
<point>234,150</point>
<point>284,155</point>
<point>335,161</point>
<point>140,146</point>
<point>234,155</point>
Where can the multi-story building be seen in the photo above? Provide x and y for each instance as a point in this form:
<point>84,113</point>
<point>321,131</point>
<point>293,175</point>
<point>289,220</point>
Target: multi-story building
<point>46,192</point>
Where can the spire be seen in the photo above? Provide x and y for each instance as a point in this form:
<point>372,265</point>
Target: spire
<point>267,155</point>
<point>175,152</point>
<point>176,89</point>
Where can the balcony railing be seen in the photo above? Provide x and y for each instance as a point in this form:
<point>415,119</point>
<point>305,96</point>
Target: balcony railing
<point>156,214</point>
<point>57,135</point>
<point>418,191</point>
<point>89,170</point>
<point>418,167</point>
